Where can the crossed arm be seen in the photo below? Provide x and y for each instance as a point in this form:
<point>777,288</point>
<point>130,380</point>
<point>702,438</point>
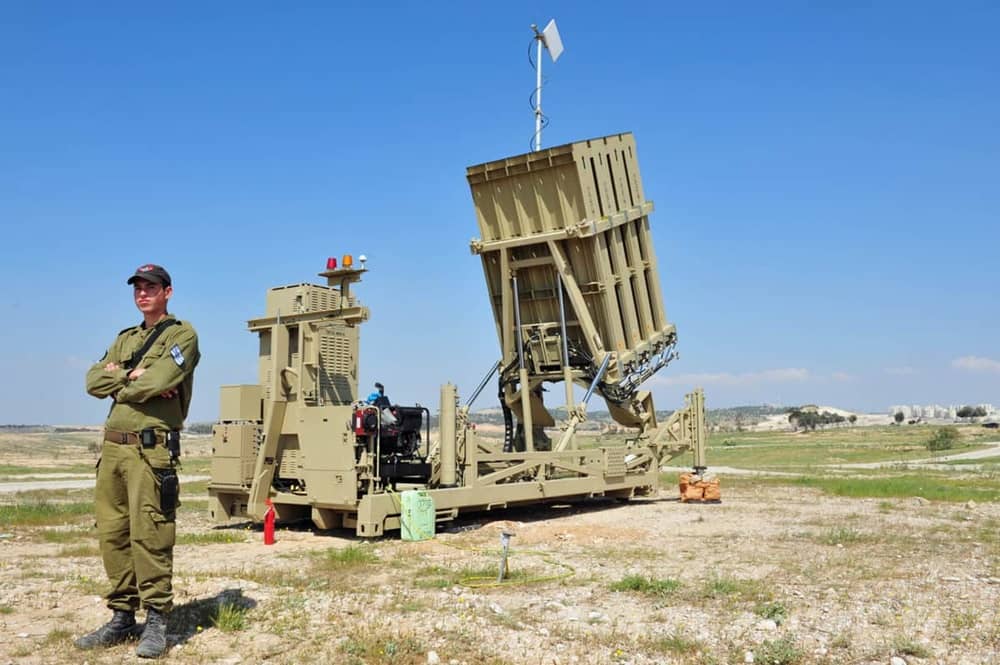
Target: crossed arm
<point>159,378</point>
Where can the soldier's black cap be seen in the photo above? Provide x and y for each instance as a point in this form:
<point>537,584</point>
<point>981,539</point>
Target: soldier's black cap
<point>151,273</point>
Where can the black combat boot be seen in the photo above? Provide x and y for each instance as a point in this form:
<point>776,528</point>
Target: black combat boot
<point>154,637</point>
<point>121,627</point>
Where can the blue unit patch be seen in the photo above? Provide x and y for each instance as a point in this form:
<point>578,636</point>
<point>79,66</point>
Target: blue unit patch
<point>175,351</point>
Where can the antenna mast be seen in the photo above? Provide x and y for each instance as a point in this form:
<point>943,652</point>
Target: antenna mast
<point>549,37</point>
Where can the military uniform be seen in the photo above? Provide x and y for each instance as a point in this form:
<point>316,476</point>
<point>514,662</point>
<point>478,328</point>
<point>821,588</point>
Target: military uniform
<point>137,488</point>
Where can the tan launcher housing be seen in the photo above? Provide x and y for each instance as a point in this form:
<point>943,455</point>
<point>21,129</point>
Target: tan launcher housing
<point>572,278</point>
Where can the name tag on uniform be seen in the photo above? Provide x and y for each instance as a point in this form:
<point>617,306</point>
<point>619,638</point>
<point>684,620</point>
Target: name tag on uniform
<point>175,351</point>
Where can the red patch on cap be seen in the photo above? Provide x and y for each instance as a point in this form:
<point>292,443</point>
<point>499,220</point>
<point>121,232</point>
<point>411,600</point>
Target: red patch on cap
<point>146,268</point>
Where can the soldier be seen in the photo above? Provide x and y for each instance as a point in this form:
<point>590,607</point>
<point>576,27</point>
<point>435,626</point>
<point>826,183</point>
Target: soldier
<point>148,373</point>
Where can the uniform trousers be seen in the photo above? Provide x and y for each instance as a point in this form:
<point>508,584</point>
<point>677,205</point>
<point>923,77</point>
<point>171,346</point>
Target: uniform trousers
<point>135,529</point>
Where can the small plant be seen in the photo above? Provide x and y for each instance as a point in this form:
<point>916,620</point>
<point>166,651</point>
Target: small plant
<point>736,589</point>
<point>230,617</point>
<point>776,612</point>
<point>407,606</point>
<point>211,538</point>
<point>58,636</point>
<point>905,646</point>
<point>960,624</point>
<point>6,609</point>
<point>961,621</point>
<point>80,551</point>
<point>61,536</point>
<point>722,586</point>
<point>87,585</point>
<point>782,651</point>
<point>371,648</point>
<point>841,641</point>
<point>23,650</point>
<point>349,557</point>
<point>677,643</point>
<point>841,536</point>
<point>646,585</point>
<point>433,577</point>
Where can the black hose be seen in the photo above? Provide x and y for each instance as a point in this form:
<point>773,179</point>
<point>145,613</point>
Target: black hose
<point>508,423</point>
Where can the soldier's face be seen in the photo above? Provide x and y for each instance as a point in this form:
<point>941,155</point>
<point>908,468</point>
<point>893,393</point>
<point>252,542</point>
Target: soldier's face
<point>151,298</point>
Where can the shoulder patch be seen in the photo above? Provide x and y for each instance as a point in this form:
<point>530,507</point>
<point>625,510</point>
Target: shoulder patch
<point>175,352</point>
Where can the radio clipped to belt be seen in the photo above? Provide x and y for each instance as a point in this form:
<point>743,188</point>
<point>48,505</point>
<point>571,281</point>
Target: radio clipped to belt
<point>174,444</point>
<point>149,438</point>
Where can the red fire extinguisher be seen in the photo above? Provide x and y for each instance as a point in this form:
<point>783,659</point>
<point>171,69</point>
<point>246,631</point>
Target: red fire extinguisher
<point>269,523</point>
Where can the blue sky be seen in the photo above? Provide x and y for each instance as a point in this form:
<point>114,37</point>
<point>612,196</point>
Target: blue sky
<point>825,178</point>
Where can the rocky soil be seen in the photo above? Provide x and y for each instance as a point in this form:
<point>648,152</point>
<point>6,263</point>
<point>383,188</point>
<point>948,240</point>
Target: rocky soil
<point>771,575</point>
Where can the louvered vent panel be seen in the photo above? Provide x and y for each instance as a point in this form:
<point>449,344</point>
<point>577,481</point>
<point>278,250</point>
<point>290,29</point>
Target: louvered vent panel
<point>336,363</point>
<point>322,299</point>
<point>614,463</point>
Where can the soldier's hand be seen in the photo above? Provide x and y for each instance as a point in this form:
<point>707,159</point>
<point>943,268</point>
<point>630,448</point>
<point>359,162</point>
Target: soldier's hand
<point>136,373</point>
<point>169,393</point>
<point>112,367</point>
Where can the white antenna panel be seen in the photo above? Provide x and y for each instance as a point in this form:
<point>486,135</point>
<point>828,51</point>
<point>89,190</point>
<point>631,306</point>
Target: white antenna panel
<point>553,42</point>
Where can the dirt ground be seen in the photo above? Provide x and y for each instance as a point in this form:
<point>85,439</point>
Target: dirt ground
<point>775,575</point>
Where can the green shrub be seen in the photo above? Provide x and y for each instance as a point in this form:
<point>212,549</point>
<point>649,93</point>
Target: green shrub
<point>646,585</point>
<point>736,589</point>
<point>944,438</point>
<point>230,618</point>
<point>211,537</point>
<point>348,557</point>
<point>776,612</point>
<point>782,651</point>
<point>841,536</point>
<point>677,643</point>
<point>905,646</point>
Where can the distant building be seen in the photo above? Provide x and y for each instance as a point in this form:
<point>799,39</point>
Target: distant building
<point>937,411</point>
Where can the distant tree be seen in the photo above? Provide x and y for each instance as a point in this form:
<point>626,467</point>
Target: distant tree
<point>852,418</point>
<point>944,438</point>
<point>200,428</point>
<point>899,417</point>
<point>829,418</point>
<point>810,420</point>
<point>971,412</point>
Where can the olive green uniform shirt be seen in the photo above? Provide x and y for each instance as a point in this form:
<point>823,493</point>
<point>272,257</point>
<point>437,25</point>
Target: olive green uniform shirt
<point>169,363</point>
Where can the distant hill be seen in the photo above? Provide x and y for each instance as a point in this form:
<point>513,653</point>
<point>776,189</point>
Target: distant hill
<point>26,429</point>
<point>730,417</point>
<point>761,416</point>
<point>35,429</point>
